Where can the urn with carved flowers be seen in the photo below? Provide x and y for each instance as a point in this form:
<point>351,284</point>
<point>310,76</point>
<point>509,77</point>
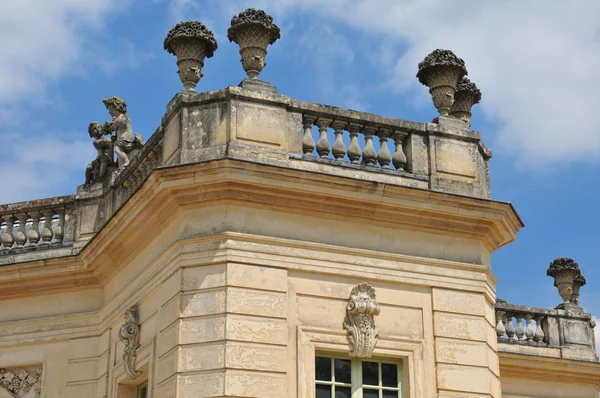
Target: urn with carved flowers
<point>578,282</point>
<point>564,271</point>
<point>253,30</point>
<point>441,71</point>
<point>191,42</point>
<point>467,94</point>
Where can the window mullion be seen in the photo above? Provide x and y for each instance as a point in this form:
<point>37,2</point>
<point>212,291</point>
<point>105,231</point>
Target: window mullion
<point>356,379</point>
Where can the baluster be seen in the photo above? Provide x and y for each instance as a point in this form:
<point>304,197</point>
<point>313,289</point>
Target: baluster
<point>308,143</point>
<point>510,329</point>
<point>539,331</point>
<point>8,239</point>
<point>323,146</point>
<point>47,232</point>
<point>384,157</point>
<point>520,329</point>
<point>21,234</point>
<point>339,148</point>
<point>399,159</point>
<point>354,151</point>
<point>500,329</point>
<point>58,229</point>
<point>369,155</point>
<point>34,234</point>
<point>529,332</point>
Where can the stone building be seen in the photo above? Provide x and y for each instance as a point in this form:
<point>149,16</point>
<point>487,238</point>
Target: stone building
<point>254,246</point>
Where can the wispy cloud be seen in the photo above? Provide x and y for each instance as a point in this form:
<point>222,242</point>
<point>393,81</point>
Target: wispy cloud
<point>31,165</point>
<point>534,63</point>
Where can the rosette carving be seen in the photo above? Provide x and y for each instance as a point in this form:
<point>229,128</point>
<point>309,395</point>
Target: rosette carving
<point>467,94</point>
<point>441,71</point>
<point>253,30</point>
<point>130,335</point>
<point>190,42</point>
<point>360,322</point>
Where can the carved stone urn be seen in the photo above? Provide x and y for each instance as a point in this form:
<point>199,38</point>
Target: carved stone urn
<point>564,271</point>
<point>253,30</point>
<point>441,71</point>
<point>467,94</point>
<point>577,283</point>
<point>190,42</point>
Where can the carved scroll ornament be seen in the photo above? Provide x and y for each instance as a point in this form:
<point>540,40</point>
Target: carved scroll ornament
<point>360,323</point>
<point>130,335</point>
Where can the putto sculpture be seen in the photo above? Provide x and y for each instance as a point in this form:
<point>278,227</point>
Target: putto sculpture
<point>97,170</point>
<point>125,141</point>
<point>190,42</point>
<point>130,335</point>
<point>441,71</point>
<point>467,94</point>
<point>565,272</point>
<point>253,30</point>
<point>360,323</point>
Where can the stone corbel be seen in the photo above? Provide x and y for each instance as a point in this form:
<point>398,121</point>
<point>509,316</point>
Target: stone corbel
<point>360,323</point>
<point>130,335</point>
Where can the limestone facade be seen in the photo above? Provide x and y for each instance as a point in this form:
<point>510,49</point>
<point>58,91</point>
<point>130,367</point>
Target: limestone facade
<point>233,254</point>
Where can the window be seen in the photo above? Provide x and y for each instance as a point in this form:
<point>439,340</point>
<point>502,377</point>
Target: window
<point>344,378</point>
<point>142,390</point>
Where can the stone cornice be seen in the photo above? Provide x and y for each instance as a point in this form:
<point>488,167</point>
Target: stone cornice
<point>544,369</point>
<point>170,191</point>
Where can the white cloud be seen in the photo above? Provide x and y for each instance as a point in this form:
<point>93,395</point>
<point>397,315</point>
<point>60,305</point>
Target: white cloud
<point>42,164</point>
<point>534,62</point>
<point>41,41</point>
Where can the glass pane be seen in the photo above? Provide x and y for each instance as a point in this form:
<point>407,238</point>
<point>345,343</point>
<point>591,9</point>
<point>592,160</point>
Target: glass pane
<point>343,392</point>
<point>370,374</point>
<point>323,391</point>
<point>369,393</point>
<point>389,375</point>
<point>342,371</point>
<point>323,368</point>
<point>390,394</point>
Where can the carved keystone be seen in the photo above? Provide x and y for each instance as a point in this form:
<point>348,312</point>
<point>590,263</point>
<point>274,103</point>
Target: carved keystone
<point>360,323</point>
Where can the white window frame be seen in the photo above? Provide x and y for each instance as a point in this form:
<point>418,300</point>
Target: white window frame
<point>356,384</point>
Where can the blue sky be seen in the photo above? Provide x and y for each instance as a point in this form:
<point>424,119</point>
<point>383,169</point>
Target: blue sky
<point>536,66</point>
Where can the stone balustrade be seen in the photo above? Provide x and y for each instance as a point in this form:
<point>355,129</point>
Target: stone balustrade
<point>33,225</point>
<point>546,332</point>
<point>354,153</point>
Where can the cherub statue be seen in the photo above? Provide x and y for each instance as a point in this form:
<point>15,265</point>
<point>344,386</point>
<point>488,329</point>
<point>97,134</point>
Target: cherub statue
<point>97,169</point>
<point>125,141</point>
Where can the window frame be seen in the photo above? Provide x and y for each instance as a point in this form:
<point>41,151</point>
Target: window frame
<point>356,379</point>
<point>140,389</point>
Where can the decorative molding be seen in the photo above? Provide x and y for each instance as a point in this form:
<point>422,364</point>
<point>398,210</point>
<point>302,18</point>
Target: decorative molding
<point>360,323</point>
<point>21,382</point>
<point>130,335</point>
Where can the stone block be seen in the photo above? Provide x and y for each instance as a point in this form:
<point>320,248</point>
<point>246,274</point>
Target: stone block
<point>467,379</point>
<point>202,330</point>
<point>458,302</point>
<point>256,356</point>
<point>202,385</point>
<point>204,303</point>
<point>202,357</point>
<point>254,302</point>
<point>204,277</point>
<point>242,275</point>
<point>461,327</point>
<point>255,384</point>
<point>257,329</point>
<point>461,352</point>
